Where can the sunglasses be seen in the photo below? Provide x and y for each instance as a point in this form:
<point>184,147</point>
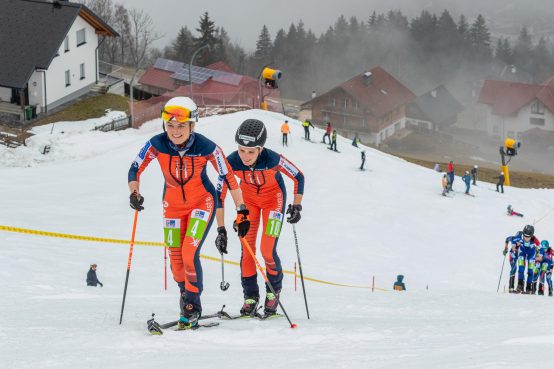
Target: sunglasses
<point>179,114</point>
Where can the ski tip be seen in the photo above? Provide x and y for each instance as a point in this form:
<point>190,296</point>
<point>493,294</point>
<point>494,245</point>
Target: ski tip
<point>293,325</point>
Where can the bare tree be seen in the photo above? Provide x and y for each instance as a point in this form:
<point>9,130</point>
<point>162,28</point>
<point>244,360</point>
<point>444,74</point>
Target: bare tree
<point>142,35</point>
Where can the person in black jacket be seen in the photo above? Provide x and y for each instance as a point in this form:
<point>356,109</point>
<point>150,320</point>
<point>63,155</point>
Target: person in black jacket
<point>500,183</point>
<point>92,279</point>
<point>474,174</point>
<point>363,160</point>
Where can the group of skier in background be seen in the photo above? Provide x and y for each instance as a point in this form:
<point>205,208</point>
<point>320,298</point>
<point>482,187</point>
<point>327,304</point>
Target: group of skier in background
<point>525,249</point>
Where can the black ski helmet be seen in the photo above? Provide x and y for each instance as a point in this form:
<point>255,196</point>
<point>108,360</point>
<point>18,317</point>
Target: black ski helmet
<point>528,230</point>
<point>251,133</point>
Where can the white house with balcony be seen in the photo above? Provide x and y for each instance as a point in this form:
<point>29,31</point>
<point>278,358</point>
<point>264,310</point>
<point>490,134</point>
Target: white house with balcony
<point>517,108</point>
<point>49,55</point>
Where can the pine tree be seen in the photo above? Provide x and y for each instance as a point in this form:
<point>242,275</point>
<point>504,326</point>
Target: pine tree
<point>207,37</point>
<point>181,47</point>
<point>372,20</point>
<point>504,51</point>
<point>264,44</point>
<point>480,38</point>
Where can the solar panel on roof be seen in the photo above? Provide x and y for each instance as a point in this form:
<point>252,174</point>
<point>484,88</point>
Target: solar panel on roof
<point>167,65</point>
<point>200,75</point>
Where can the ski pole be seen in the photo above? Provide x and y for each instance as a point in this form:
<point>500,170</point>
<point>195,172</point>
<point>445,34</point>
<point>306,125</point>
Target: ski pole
<point>501,271</point>
<point>129,264</point>
<point>165,268</point>
<point>300,268</point>
<point>292,325</point>
<point>223,285</point>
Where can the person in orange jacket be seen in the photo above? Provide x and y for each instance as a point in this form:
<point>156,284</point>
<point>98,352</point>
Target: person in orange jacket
<point>263,188</point>
<point>189,198</point>
<point>285,130</point>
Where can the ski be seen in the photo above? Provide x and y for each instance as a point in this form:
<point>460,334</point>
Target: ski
<point>337,151</point>
<point>226,316</point>
<point>156,328</point>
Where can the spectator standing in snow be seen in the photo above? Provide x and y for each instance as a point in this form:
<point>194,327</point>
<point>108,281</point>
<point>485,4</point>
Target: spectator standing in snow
<point>327,133</point>
<point>333,141</point>
<point>451,173</point>
<point>306,124</point>
<point>285,130</point>
<point>474,174</point>
<point>92,279</point>
<point>500,183</point>
<point>356,141</point>
<point>467,180</point>
<point>363,160</point>
<point>444,185</point>
<point>437,168</point>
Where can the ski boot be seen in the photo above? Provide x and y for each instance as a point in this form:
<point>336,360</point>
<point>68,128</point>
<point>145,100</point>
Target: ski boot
<point>534,288</point>
<point>528,288</point>
<point>271,303</point>
<point>550,291</point>
<point>249,306</point>
<point>519,288</point>
<point>541,289</point>
<point>189,317</point>
<point>512,283</point>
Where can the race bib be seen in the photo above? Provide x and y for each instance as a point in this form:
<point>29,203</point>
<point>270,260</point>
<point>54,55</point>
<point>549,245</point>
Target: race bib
<point>274,222</point>
<point>197,223</point>
<point>172,232</point>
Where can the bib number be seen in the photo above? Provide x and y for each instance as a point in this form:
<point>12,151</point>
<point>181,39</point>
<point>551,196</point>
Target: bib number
<point>197,223</point>
<point>172,232</point>
<point>274,223</point>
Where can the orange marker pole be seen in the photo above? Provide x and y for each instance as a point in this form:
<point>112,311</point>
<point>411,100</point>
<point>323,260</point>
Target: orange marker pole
<point>129,264</point>
<point>243,240</point>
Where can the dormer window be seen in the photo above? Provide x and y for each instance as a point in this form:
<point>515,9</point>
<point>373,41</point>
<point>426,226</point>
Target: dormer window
<point>537,108</point>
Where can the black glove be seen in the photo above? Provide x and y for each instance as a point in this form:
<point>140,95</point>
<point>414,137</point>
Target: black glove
<point>101,285</point>
<point>294,211</point>
<point>136,201</point>
<point>504,252</point>
<point>242,224</point>
<point>221,240</point>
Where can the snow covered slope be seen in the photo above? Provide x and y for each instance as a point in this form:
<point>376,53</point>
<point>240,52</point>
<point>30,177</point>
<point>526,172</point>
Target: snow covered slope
<point>385,221</point>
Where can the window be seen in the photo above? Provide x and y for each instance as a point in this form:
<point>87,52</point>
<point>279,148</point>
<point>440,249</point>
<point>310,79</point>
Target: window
<point>82,70</point>
<point>345,103</point>
<point>537,108</point>
<point>81,37</point>
<point>334,101</point>
<point>67,78</point>
<point>397,127</point>
<point>355,103</point>
<point>536,121</point>
<point>66,44</point>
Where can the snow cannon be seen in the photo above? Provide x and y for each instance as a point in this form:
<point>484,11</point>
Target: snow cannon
<point>271,76</point>
<point>511,146</point>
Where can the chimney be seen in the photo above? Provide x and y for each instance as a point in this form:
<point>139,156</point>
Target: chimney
<point>313,94</point>
<point>367,78</point>
<point>434,93</point>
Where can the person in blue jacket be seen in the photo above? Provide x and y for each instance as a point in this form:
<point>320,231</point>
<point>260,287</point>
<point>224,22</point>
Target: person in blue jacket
<point>399,284</point>
<point>467,180</point>
<point>523,250</point>
<point>92,279</point>
<point>546,256</point>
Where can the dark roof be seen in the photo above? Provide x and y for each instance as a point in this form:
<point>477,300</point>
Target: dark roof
<point>438,105</point>
<point>381,95</point>
<point>32,32</point>
<point>507,98</point>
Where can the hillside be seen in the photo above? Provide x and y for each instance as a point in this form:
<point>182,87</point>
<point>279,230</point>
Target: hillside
<point>385,221</point>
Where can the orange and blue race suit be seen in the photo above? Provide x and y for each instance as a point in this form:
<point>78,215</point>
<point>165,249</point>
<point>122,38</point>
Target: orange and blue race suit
<point>189,201</point>
<point>265,195</point>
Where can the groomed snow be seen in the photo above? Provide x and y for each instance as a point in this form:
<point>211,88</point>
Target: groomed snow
<point>385,221</point>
